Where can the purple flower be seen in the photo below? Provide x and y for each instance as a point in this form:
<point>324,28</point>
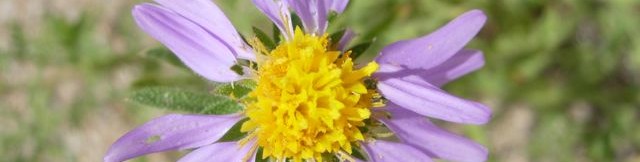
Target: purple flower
<point>309,100</point>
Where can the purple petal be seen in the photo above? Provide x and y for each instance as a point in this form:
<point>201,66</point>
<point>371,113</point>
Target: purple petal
<point>462,63</point>
<point>207,15</point>
<point>305,11</point>
<point>420,133</point>
<point>346,39</point>
<point>321,17</point>
<point>435,48</point>
<point>312,13</point>
<point>279,14</point>
<point>200,51</point>
<point>385,151</point>
<point>414,94</point>
<point>223,151</point>
<point>171,132</point>
<point>337,5</point>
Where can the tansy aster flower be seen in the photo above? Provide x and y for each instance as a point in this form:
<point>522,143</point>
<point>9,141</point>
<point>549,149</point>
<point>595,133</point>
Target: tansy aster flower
<point>310,100</point>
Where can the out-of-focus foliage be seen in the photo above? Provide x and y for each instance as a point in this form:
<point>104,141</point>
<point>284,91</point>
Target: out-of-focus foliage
<point>563,77</point>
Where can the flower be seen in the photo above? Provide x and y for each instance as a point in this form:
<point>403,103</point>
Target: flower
<point>310,100</point>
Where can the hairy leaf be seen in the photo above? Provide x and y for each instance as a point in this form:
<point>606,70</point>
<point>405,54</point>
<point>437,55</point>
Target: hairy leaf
<point>237,89</point>
<point>187,101</point>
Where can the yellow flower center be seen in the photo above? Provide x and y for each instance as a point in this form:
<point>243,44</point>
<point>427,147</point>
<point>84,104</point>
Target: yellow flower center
<point>309,100</point>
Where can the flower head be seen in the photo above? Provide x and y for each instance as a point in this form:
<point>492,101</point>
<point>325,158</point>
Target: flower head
<point>311,101</point>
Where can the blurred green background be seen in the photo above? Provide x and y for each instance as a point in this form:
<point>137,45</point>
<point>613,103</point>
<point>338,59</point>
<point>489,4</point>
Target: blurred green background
<point>562,76</point>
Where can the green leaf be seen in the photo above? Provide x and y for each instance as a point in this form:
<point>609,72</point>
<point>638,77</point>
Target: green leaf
<point>355,152</point>
<point>165,54</point>
<point>264,38</point>
<point>187,101</point>
<point>237,89</point>
<point>276,34</point>
<point>155,80</point>
<point>296,21</point>
<point>234,134</point>
<point>237,69</point>
<point>359,49</point>
<point>335,37</point>
<point>329,157</point>
<point>259,156</point>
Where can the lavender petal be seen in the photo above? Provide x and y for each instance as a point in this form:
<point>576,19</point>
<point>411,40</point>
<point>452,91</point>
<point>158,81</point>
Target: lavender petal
<point>386,151</point>
<point>337,5</point>
<point>434,49</point>
<point>313,14</point>
<point>223,151</point>
<point>306,12</point>
<point>419,132</point>
<point>200,51</point>
<point>207,15</point>
<point>460,64</point>
<point>417,95</point>
<point>278,12</point>
<point>346,39</point>
<point>171,132</point>
<point>321,18</point>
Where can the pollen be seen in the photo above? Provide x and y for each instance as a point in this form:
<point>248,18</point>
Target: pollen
<point>309,101</point>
